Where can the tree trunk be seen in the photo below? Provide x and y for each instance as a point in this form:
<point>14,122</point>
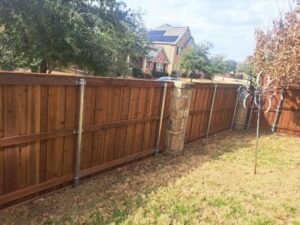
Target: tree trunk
<point>43,66</point>
<point>191,76</point>
<point>50,67</point>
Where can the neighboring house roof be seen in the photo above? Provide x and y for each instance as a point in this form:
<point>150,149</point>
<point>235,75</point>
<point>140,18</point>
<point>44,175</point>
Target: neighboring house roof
<point>153,53</point>
<point>167,34</point>
<point>158,55</point>
<point>190,41</point>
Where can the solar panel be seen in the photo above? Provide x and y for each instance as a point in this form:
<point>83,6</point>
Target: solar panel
<point>157,32</point>
<point>162,38</point>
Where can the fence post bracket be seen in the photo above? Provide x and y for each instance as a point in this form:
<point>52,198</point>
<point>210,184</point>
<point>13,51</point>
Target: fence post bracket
<point>81,82</point>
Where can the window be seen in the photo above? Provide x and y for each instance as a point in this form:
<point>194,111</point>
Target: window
<point>160,67</point>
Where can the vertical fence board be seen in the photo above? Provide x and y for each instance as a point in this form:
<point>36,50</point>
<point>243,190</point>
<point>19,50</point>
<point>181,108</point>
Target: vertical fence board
<point>204,122</point>
<point>70,123</point>
<point>33,127</point>
<point>89,107</point>
<point>2,173</point>
<point>101,114</point>
<point>201,113</point>
<point>98,147</point>
<point>113,108</point>
<point>110,143</point>
<point>148,112</point>
<point>122,115</point>
<point>43,128</point>
<point>56,120</point>
<point>141,113</point>
<point>110,134</point>
<point>2,168</point>
<point>132,114</point>
<point>15,104</point>
<point>156,111</point>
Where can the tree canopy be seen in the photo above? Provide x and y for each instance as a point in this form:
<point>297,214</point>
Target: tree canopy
<point>230,65</point>
<point>218,64</point>
<point>95,35</point>
<point>196,59</point>
<point>277,50</point>
<point>245,68</point>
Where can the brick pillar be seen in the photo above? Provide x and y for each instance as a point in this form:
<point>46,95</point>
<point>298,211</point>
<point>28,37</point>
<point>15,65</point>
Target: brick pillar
<point>179,113</point>
<point>241,115</point>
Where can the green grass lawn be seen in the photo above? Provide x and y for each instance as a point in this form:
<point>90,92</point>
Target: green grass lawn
<point>209,184</point>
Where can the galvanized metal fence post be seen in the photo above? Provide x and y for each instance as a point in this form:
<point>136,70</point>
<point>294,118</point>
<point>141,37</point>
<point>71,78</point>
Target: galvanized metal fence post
<point>79,130</point>
<point>277,112</point>
<point>161,119</point>
<point>250,116</point>
<point>235,107</point>
<point>257,133</point>
<point>211,110</point>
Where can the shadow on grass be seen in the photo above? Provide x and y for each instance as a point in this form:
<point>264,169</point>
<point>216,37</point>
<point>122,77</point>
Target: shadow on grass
<point>110,197</point>
<point>235,141</point>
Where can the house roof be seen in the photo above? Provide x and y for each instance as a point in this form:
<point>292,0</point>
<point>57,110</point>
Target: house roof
<point>167,34</point>
<point>157,55</point>
<point>151,55</point>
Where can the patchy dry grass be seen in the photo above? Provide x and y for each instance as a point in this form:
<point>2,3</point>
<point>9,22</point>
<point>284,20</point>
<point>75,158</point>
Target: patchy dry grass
<point>208,184</point>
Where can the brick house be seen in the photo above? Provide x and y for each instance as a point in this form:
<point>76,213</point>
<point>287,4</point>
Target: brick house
<point>156,60</point>
<point>167,43</point>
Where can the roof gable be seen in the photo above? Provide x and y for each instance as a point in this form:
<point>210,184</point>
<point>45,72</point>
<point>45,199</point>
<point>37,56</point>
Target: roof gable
<point>158,55</point>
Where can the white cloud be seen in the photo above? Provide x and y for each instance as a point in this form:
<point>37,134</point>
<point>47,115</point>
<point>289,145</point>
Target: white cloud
<point>228,24</point>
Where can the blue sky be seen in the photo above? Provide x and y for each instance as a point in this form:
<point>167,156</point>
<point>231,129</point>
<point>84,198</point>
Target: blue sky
<point>228,24</point>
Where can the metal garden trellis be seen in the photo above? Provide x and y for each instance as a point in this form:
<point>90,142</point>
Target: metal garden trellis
<point>259,92</point>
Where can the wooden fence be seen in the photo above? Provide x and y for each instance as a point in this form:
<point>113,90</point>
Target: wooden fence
<point>288,116</point>
<point>39,119</point>
<point>201,106</point>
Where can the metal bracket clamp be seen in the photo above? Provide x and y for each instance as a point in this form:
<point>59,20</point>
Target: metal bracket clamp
<point>81,82</point>
<point>77,131</point>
